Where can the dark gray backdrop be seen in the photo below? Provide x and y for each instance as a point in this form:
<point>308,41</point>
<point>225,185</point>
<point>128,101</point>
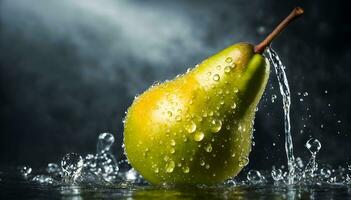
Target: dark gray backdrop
<point>70,69</point>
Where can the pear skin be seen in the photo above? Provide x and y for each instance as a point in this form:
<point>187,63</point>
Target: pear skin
<point>197,128</point>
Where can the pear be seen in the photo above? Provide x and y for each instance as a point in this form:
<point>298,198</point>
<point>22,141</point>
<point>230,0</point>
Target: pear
<point>197,128</point>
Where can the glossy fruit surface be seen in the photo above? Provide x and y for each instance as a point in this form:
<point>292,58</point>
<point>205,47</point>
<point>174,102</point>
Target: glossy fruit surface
<point>197,128</point>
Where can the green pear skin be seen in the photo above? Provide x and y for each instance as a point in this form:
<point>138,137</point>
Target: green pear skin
<point>197,128</point>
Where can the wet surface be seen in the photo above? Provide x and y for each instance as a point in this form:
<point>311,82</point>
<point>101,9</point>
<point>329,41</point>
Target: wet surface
<point>13,186</point>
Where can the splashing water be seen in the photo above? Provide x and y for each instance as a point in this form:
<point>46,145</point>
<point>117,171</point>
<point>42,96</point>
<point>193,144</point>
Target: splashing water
<point>313,145</point>
<point>102,168</point>
<point>255,177</point>
<point>297,172</point>
<point>104,143</point>
<point>71,165</point>
<point>104,177</point>
<point>285,92</point>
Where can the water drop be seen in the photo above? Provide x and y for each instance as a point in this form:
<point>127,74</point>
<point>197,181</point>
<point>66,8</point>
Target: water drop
<point>233,106</point>
<point>178,118</point>
<point>274,97</point>
<point>207,166</point>
<point>25,171</point>
<point>105,142</point>
<point>325,173</point>
<point>240,127</point>
<point>185,169</point>
<point>170,166</point>
<point>254,176</point>
<point>216,77</point>
<point>218,67</point>
<point>169,113</point>
<point>216,125</point>
<point>71,165</point>
<point>313,145</point>
<point>208,148</point>
<point>227,69</point>
<point>305,94</point>
<point>173,143</point>
<point>190,127</point>
<point>229,60</point>
<point>243,161</point>
<point>202,162</point>
<point>171,150</point>
<point>156,170</point>
<point>166,158</point>
<point>277,174</point>
<point>230,183</point>
<point>198,136</point>
<point>235,90</point>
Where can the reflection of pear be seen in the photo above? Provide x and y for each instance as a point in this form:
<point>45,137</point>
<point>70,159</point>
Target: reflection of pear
<point>197,128</point>
<point>223,192</point>
<point>187,193</point>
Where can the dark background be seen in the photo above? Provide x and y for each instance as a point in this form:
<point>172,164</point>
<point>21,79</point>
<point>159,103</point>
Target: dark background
<point>70,69</point>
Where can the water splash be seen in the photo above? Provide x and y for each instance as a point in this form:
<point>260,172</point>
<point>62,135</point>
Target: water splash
<point>285,92</point>
<point>105,142</point>
<point>43,179</point>
<point>102,167</point>
<point>254,176</point>
<point>277,174</point>
<point>71,165</point>
<point>313,145</point>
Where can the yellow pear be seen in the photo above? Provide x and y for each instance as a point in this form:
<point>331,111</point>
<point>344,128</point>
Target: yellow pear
<point>197,128</point>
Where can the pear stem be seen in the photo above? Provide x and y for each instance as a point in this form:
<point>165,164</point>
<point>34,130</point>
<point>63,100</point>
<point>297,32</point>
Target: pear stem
<point>295,13</point>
